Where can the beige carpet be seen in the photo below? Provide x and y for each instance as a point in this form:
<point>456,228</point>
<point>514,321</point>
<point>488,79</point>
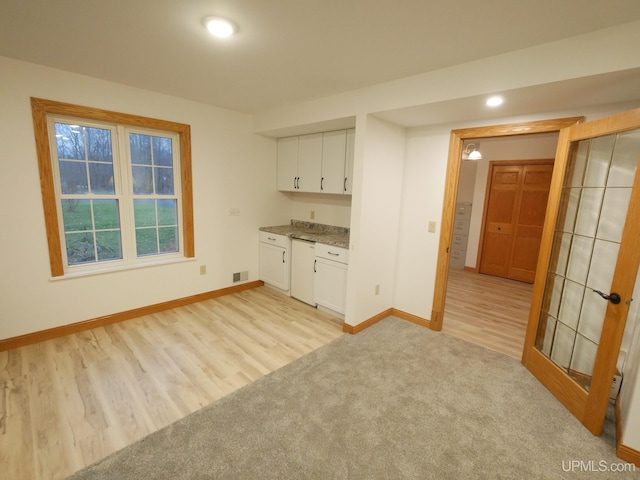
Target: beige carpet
<point>396,401</point>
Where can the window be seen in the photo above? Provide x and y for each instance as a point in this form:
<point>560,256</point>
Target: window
<point>116,187</point>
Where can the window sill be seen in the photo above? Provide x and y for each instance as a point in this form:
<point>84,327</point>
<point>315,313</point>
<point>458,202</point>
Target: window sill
<point>121,268</point>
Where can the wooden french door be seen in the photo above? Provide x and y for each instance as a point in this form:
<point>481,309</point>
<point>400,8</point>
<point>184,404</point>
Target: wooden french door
<point>588,263</point>
<point>514,218</point>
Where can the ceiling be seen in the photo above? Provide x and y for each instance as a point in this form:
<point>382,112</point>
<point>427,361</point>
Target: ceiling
<point>288,50</point>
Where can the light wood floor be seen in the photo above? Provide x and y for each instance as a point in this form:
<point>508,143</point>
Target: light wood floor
<point>488,311</point>
<point>68,402</point>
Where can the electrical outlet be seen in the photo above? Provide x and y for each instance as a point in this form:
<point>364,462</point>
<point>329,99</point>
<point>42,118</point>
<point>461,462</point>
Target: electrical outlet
<point>313,214</point>
<point>203,269</point>
<point>432,227</point>
<point>234,212</point>
<point>378,289</point>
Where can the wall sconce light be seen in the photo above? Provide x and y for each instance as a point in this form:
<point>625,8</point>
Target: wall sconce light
<point>471,152</point>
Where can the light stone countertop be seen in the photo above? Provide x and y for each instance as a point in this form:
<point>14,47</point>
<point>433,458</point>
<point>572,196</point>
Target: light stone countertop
<point>312,232</point>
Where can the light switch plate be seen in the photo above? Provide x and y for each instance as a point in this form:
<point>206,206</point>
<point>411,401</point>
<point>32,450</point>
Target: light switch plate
<point>432,227</point>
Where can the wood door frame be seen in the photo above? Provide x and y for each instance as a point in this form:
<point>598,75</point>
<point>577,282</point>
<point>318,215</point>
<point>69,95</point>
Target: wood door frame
<point>492,164</point>
<point>456,142</point>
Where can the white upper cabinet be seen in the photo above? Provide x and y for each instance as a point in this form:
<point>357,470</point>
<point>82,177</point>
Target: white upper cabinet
<point>287,163</point>
<point>316,163</point>
<point>309,162</point>
<point>348,164</point>
<point>334,148</point>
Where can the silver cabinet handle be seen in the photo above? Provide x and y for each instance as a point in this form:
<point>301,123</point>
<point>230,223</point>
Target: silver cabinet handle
<point>283,257</point>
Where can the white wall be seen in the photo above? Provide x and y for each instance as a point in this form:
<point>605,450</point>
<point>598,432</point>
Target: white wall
<point>467,182</point>
<point>422,200</point>
<point>378,167</point>
<point>232,167</point>
<point>328,209</point>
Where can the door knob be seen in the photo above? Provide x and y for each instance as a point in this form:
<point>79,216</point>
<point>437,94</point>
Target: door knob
<point>612,297</point>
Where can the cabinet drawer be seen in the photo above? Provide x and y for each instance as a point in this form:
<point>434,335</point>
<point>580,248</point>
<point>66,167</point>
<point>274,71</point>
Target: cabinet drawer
<point>337,254</point>
<point>463,211</point>
<point>274,239</point>
<point>460,227</point>
<point>459,242</point>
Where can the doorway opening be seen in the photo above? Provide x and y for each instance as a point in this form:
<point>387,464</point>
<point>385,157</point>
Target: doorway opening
<point>454,168</point>
<point>500,210</point>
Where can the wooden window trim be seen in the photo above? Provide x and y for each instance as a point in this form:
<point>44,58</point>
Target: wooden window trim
<point>40,108</point>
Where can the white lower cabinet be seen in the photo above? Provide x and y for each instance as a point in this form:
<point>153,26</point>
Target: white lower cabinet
<point>302,275</point>
<point>330,282</point>
<point>275,268</point>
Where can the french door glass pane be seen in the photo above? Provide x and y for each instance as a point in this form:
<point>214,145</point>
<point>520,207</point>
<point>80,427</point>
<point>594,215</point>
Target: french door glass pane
<point>593,210</point>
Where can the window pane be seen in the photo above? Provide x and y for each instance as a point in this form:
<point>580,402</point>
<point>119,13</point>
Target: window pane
<point>109,245</point>
<point>162,152</point>
<point>80,248</point>
<point>106,214</point>
<point>76,215</point>
<point>70,141</point>
<point>145,213</point>
<point>168,239</point>
<point>146,241</point>
<point>95,227</point>
<point>101,176</point>
<point>140,149</point>
<point>142,180</point>
<point>164,181</point>
<point>73,177</point>
<point>167,212</point>
<point>98,144</point>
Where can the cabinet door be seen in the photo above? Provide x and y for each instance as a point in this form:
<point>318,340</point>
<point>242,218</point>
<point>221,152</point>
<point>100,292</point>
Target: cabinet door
<point>287,163</point>
<point>348,164</point>
<point>302,258</point>
<point>309,162</point>
<point>334,145</point>
<point>274,265</point>
<point>330,284</point>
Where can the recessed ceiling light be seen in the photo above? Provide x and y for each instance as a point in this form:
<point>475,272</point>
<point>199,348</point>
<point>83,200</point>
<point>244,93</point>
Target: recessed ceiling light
<point>494,101</point>
<point>219,27</point>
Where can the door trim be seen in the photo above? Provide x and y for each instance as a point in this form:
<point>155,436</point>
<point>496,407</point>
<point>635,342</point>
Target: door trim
<point>451,192</point>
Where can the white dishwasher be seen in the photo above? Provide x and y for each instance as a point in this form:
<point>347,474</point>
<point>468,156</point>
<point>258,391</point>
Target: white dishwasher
<point>302,276</point>
<point>330,283</point>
